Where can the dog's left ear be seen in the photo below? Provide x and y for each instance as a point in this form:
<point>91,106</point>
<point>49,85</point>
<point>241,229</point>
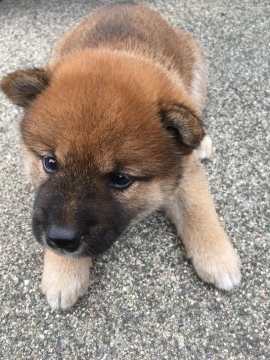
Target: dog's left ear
<point>184,125</point>
<point>23,86</point>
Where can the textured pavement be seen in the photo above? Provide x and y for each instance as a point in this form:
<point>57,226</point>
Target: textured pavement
<point>145,301</point>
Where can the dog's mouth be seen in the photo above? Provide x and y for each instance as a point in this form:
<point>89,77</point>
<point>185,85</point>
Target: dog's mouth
<point>62,248</point>
<point>72,243</point>
<point>87,228</point>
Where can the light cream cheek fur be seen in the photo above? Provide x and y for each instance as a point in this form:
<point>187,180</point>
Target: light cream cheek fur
<point>147,197</point>
<point>192,210</point>
<point>64,279</point>
<point>33,167</point>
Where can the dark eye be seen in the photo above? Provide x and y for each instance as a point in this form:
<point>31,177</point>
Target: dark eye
<point>120,181</point>
<point>50,164</point>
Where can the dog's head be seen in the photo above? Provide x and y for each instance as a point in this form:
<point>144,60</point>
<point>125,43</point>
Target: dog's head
<point>103,136</point>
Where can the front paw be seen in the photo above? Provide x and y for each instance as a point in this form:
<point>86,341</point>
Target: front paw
<point>220,268</point>
<point>64,280</point>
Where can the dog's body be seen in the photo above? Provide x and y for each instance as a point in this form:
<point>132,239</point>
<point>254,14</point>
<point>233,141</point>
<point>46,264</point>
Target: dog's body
<point>109,134</point>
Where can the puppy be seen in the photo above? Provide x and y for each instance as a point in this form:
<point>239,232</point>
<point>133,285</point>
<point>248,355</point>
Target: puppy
<point>109,135</point>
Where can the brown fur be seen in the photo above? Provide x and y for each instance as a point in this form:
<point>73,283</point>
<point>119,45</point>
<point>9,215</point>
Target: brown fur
<point>124,92</point>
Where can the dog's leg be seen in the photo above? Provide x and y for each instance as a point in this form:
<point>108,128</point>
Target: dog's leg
<point>64,279</point>
<point>193,212</point>
<point>205,149</point>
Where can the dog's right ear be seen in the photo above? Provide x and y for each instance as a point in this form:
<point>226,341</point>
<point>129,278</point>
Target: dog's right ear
<point>23,86</point>
<point>184,125</point>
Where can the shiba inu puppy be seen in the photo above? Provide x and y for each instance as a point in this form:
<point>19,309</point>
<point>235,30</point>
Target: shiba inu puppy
<point>111,132</point>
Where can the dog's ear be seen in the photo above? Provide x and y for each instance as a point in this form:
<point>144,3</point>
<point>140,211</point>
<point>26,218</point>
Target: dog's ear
<point>23,86</point>
<point>184,125</point>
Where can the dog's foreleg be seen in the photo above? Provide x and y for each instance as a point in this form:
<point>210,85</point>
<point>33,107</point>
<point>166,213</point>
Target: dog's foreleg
<point>193,212</point>
<point>64,280</point>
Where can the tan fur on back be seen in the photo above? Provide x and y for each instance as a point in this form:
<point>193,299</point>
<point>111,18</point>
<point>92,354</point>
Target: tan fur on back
<point>151,39</point>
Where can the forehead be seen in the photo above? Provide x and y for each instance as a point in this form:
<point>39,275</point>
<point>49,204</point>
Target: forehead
<point>105,123</point>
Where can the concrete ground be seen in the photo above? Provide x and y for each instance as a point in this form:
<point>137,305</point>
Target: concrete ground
<point>145,301</point>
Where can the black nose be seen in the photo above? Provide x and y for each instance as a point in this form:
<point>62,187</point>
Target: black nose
<point>61,238</point>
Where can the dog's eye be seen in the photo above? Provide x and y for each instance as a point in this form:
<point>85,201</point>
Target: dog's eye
<point>50,164</point>
<point>120,181</point>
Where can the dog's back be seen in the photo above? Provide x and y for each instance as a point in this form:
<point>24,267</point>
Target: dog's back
<point>141,32</point>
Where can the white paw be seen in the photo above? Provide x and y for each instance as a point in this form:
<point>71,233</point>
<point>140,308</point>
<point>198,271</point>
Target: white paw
<point>63,286</point>
<point>222,270</point>
<point>205,149</point>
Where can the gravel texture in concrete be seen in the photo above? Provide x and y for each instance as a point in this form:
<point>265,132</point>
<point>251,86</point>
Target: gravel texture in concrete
<point>145,301</point>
